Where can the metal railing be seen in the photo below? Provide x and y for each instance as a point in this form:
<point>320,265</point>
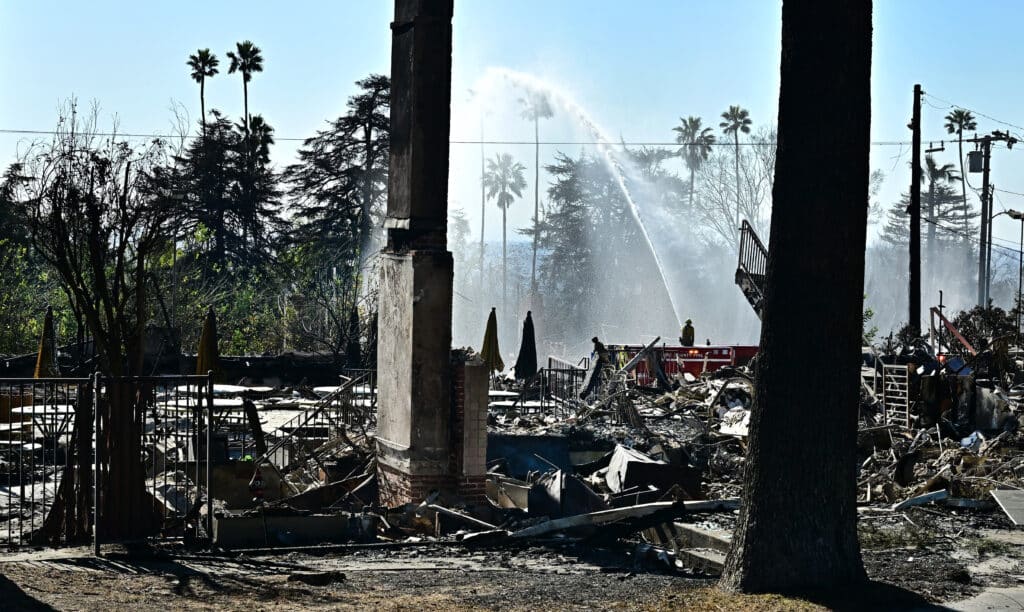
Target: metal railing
<point>64,432</point>
<point>752,266</point>
<point>352,406</point>
<point>181,439</point>
<point>560,384</point>
<point>36,433</point>
<point>753,254</point>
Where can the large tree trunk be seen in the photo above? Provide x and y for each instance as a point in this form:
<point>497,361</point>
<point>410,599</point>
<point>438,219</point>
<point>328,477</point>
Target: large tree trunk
<point>69,518</point>
<point>126,509</point>
<point>797,527</point>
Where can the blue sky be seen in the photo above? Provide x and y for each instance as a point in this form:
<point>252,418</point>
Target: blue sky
<point>635,66</point>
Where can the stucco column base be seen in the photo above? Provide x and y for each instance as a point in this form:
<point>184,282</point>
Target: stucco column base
<point>414,375</point>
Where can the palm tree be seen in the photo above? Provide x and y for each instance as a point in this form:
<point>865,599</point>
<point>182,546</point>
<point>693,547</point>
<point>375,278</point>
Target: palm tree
<point>255,196</point>
<point>536,106</point>
<point>504,182</point>
<point>958,120</point>
<point>203,64</point>
<point>245,59</point>
<point>736,120</point>
<point>935,175</point>
<point>696,146</point>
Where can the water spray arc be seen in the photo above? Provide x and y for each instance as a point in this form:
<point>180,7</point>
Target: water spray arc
<point>530,82</point>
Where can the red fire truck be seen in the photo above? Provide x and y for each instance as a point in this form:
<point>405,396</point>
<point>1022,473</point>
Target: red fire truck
<point>677,359</point>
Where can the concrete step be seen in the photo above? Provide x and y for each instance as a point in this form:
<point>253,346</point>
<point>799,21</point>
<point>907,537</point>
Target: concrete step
<point>689,536</point>
<point>702,560</point>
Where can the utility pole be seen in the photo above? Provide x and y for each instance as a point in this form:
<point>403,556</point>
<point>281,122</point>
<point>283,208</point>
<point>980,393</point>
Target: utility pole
<point>986,224</point>
<point>985,247</point>
<point>914,315</point>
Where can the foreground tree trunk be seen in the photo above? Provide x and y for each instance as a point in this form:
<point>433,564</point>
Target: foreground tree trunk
<point>797,528</point>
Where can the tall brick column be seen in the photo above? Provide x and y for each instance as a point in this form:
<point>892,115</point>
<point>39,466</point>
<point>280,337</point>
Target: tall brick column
<point>469,427</point>
<point>415,304</point>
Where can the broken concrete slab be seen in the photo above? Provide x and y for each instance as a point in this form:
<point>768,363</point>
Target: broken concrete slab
<point>1012,503</point>
<point>619,514</point>
<point>691,536</point>
<point>920,500</point>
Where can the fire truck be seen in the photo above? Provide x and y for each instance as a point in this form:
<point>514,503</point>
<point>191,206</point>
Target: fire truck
<point>678,359</point>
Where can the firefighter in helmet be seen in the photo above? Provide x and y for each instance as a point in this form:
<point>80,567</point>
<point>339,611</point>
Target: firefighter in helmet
<point>686,339</point>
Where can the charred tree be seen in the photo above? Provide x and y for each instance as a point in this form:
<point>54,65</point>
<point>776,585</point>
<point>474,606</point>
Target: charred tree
<point>97,218</point>
<point>797,526</point>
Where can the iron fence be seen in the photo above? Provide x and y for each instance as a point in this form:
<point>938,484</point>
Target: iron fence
<point>180,440</point>
<point>59,432</point>
<point>36,433</point>
<point>560,384</point>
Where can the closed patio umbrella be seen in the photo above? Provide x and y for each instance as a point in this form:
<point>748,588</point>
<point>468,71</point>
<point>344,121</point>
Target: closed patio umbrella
<point>490,352</point>
<point>46,360</point>
<point>526,363</point>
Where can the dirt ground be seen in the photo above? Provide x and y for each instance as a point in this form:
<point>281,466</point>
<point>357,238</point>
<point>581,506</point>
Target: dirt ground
<point>911,566</point>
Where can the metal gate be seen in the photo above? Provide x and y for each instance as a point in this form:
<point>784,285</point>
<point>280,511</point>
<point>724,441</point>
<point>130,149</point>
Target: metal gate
<point>54,483</point>
<point>174,417</point>
<point>36,434</point>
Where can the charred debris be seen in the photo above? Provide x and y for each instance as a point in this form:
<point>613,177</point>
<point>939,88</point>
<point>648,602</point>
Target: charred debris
<point>644,447</point>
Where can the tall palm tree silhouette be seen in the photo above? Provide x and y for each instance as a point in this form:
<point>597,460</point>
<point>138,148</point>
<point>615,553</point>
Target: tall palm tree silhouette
<point>504,182</point>
<point>204,65</point>
<point>957,121</point>
<point>736,120</point>
<point>246,59</point>
<point>696,146</point>
<point>536,106</point>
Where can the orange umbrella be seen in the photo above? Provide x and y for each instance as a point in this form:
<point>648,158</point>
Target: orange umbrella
<point>46,361</point>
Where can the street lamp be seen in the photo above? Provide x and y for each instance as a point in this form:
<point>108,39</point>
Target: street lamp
<point>1019,216</point>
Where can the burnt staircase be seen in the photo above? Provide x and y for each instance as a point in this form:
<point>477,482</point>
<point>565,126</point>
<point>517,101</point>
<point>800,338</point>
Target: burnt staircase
<point>752,267</point>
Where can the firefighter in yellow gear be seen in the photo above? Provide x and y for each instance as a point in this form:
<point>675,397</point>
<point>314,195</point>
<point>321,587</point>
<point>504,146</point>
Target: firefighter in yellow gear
<point>686,339</point>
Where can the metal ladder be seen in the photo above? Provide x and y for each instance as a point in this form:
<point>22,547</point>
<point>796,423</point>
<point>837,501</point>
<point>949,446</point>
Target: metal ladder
<point>896,394</point>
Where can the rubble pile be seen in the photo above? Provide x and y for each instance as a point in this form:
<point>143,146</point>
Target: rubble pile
<point>653,462</point>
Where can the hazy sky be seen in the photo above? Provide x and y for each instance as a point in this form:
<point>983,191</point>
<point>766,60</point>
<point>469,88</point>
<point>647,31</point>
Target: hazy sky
<point>636,66</point>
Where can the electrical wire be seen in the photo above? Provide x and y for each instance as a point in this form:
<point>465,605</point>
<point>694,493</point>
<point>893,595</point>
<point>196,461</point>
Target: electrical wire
<point>876,143</point>
<point>971,110</point>
<point>1007,191</point>
<point>972,239</point>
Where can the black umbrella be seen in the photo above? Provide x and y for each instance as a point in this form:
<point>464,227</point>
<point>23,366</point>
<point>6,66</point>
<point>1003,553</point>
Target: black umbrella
<point>526,363</point>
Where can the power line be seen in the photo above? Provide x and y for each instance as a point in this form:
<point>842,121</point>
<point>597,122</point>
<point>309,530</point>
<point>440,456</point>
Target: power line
<point>1016,193</point>
<point>875,143</point>
<point>970,238</point>
<point>971,110</point>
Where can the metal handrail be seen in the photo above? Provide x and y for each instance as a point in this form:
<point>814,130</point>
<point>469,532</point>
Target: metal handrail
<point>306,416</point>
<point>753,256</point>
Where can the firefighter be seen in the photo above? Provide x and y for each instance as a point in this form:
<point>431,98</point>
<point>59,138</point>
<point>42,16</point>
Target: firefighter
<point>600,352</point>
<point>686,339</point>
